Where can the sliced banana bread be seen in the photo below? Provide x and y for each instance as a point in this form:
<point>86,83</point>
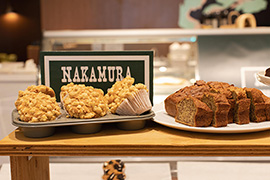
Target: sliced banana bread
<point>267,107</point>
<point>172,100</point>
<point>222,87</point>
<point>242,105</point>
<point>220,106</point>
<point>193,112</point>
<point>257,105</point>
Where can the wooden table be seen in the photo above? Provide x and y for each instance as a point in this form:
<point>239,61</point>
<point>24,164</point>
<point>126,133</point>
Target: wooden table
<point>29,157</point>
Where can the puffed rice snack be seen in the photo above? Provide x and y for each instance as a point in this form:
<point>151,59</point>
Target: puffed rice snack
<point>37,104</point>
<point>124,98</point>
<point>83,102</point>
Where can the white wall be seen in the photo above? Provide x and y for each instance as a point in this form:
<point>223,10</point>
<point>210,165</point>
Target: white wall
<point>10,84</point>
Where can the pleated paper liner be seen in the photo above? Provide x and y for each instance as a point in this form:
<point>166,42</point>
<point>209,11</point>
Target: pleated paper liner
<point>136,104</point>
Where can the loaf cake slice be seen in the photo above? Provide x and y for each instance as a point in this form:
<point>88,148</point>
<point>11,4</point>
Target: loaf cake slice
<point>172,100</point>
<point>267,107</point>
<point>222,87</point>
<point>257,105</point>
<point>220,107</point>
<point>230,100</point>
<point>193,112</point>
<point>231,110</point>
<point>242,105</point>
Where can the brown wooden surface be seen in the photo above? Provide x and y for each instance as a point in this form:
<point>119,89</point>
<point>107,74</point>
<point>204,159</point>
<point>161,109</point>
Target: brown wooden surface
<point>154,140</point>
<point>27,168</point>
<point>110,14</point>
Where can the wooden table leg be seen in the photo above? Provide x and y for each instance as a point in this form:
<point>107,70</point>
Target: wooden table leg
<point>29,168</point>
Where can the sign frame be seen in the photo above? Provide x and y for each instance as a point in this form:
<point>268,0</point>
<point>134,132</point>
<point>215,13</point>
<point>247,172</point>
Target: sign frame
<point>51,59</point>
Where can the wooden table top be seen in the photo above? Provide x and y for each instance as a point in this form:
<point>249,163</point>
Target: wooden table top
<point>153,140</point>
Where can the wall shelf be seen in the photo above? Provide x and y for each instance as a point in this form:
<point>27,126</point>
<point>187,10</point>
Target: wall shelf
<point>153,32</point>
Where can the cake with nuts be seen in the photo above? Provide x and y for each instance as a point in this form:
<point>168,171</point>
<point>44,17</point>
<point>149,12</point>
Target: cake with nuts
<point>37,104</point>
<point>83,102</point>
<point>124,98</point>
<point>41,88</point>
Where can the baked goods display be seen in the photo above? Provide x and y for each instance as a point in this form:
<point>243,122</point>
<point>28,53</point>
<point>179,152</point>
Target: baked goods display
<point>83,102</point>
<point>124,98</point>
<point>37,104</point>
<point>217,104</point>
<point>114,170</point>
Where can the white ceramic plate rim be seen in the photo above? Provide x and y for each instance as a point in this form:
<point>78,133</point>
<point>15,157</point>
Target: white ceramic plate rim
<point>262,78</point>
<point>164,119</point>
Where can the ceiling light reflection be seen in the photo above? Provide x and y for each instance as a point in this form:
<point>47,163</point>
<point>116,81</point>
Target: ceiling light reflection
<point>162,69</point>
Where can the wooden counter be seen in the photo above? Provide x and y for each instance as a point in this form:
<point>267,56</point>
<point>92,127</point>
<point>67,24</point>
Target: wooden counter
<point>153,140</point>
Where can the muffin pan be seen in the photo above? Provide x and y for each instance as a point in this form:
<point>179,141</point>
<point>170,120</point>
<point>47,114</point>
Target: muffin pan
<point>81,126</point>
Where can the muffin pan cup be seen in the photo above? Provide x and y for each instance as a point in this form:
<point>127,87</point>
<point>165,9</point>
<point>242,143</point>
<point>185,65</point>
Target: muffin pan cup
<point>81,126</point>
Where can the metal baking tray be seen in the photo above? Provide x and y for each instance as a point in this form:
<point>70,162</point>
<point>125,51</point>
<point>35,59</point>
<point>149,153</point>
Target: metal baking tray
<point>81,126</point>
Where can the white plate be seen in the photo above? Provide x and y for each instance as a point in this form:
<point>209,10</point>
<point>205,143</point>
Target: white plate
<point>163,118</point>
<point>262,78</point>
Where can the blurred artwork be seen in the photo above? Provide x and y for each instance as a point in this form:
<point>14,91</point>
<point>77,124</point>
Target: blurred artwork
<point>191,13</point>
